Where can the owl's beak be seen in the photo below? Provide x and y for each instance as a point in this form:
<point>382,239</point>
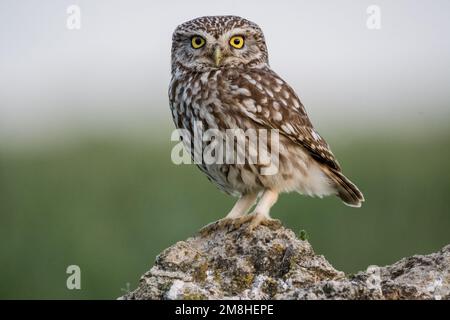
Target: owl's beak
<point>217,56</point>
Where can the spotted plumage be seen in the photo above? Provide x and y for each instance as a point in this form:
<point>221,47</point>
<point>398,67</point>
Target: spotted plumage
<point>221,79</point>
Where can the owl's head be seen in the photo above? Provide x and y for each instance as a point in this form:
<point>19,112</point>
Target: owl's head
<point>214,42</point>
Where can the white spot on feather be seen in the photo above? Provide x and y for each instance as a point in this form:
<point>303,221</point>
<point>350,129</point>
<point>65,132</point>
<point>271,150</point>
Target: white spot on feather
<point>269,92</point>
<point>277,116</point>
<point>249,79</point>
<point>250,105</point>
<point>315,135</point>
<point>242,91</point>
<point>279,81</point>
<point>204,77</point>
<point>288,128</point>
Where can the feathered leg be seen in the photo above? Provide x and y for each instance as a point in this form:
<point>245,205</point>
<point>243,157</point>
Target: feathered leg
<point>262,210</point>
<point>261,213</point>
<point>242,206</point>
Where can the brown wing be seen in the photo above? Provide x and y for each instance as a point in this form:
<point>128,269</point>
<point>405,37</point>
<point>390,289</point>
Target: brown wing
<point>271,102</point>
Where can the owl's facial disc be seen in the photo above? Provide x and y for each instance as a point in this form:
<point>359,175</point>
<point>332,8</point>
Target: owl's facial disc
<point>211,43</point>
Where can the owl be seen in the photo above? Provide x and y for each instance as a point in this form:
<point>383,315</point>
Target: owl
<point>221,80</point>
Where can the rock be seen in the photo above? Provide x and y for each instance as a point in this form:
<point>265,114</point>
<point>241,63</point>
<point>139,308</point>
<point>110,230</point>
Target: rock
<point>272,263</point>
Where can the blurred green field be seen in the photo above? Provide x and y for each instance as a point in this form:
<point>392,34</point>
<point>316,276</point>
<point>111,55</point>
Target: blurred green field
<point>112,206</point>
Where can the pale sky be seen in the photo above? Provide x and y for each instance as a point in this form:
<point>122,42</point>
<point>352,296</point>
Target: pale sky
<point>114,71</point>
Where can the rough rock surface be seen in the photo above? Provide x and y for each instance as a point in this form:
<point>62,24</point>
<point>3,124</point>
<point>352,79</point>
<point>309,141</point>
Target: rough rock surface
<point>272,263</point>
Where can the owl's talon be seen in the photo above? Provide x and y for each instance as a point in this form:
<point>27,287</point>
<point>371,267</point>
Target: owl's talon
<point>264,221</point>
<point>255,223</point>
<point>214,226</point>
<point>253,220</point>
<point>239,222</point>
<point>271,223</point>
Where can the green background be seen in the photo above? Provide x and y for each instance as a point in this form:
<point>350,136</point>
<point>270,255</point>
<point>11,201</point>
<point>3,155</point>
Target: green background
<point>111,205</point>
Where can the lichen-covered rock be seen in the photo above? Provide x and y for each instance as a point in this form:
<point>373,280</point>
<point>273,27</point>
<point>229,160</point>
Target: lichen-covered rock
<point>272,263</point>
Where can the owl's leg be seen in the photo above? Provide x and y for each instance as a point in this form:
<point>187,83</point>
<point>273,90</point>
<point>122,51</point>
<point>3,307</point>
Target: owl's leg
<point>239,209</point>
<point>261,213</point>
<point>242,206</point>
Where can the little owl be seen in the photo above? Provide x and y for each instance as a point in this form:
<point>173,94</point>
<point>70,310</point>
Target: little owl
<point>221,79</point>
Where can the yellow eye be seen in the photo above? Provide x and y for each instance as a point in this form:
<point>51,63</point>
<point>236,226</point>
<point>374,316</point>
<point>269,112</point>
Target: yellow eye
<point>197,42</point>
<point>237,42</point>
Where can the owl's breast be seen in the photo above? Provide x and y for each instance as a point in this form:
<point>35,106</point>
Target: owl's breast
<point>229,99</point>
<point>207,97</point>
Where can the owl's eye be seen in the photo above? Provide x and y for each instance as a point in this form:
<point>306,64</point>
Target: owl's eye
<point>197,42</point>
<point>237,42</point>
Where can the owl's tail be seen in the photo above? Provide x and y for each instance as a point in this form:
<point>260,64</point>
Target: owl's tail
<point>346,190</point>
